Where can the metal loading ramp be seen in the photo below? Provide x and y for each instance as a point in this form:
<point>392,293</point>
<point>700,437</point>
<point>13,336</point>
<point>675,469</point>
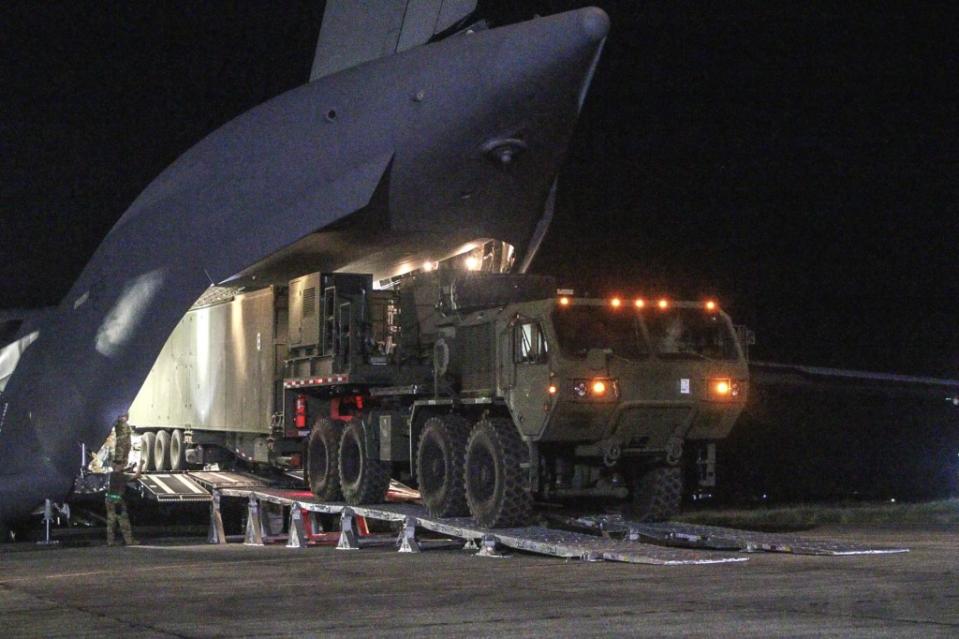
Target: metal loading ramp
<point>214,479</point>
<point>684,535</point>
<point>172,487</point>
<point>534,539</point>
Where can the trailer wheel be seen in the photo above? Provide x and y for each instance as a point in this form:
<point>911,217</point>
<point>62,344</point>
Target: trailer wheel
<point>147,442</point>
<point>177,450</point>
<point>657,494</point>
<point>496,482</point>
<point>440,458</point>
<point>323,459</point>
<point>161,450</point>
<point>364,480</point>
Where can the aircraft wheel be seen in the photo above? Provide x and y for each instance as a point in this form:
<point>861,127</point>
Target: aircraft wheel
<point>496,482</point>
<point>161,450</point>
<point>323,459</point>
<point>147,444</point>
<point>177,450</point>
<point>657,494</point>
<point>440,457</point>
<point>364,480</point>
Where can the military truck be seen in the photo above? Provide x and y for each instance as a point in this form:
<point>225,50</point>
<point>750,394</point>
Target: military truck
<point>488,391</point>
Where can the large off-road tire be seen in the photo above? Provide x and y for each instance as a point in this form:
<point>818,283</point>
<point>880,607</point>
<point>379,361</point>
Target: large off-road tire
<point>496,482</point>
<point>323,459</point>
<point>657,494</point>
<point>177,450</point>
<point>161,450</point>
<point>147,445</point>
<point>363,478</point>
<point>440,458</point>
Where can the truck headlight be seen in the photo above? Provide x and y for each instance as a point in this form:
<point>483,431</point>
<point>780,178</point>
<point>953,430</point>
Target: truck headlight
<point>724,388</point>
<point>594,389</point>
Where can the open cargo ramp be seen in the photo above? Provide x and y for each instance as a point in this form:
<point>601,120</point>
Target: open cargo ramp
<point>534,539</point>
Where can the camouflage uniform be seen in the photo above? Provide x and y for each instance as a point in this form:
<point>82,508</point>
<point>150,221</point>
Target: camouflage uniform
<point>121,450</point>
<point>114,501</point>
<point>118,484</point>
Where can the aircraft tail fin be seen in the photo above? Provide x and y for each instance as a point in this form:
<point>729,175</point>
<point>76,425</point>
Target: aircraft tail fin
<point>357,31</point>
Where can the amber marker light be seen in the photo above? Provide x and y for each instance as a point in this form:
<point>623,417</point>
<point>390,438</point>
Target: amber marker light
<point>722,387</point>
<point>640,303</point>
<point>663,304</point>
<point>616,302</point>
<point>564,301</point>
<point>710,305</point>
<point>552,389</point>
<point>599,387</point>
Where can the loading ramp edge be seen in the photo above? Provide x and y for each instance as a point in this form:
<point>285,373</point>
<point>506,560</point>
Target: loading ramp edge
<point>685,535</point>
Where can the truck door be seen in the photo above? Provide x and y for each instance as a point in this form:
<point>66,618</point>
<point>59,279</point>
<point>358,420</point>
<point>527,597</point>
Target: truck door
<point>530,389</point>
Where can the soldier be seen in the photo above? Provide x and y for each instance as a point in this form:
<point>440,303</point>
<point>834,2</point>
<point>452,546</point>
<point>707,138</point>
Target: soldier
<point>123,432</point>
<point>118,483</point>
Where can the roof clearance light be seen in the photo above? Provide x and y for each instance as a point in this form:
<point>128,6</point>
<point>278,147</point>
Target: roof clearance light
<point>663,304</point>
<point>616,302</point>
<point>710,305</point>
<point>640,303</point>
<point>599,387</point>
<point>564,301</point>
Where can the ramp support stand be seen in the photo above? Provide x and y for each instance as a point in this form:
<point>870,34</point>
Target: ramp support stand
<point>488,548</point>
<point>47,520</point>
<point>216,535</point>
<point>297,537</point>
<point>254,524</point>
<point>349,534</point>
<point>407,539</point>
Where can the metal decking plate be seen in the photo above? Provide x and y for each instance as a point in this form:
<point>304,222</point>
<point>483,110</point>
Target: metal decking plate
<point>211,479</point>
<point>170,487</point>
<point>698,536</point>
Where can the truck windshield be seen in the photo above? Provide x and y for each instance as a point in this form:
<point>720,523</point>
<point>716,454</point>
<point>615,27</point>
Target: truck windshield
<point>690,333</point>
<point>580,328</point>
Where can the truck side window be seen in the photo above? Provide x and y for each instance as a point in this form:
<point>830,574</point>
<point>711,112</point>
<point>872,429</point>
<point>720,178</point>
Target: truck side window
<point>529,344</point>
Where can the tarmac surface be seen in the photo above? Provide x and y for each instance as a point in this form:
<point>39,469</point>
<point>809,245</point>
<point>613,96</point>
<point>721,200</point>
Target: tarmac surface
<point>186,588</point>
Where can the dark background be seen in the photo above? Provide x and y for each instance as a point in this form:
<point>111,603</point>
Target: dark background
<point>797,161</point>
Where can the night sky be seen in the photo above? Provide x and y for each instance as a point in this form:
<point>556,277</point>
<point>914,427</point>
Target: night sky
<point>797,162</point>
